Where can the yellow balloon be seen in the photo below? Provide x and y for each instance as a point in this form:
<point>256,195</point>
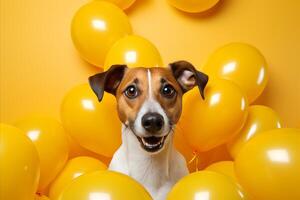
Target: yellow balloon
<point>73,169</point>
<point>193,6</point>
<point>94,125</point>
<point>268,165</point>
<point>227,168</point>
<point>134,51</point>
<point>182,146</point>
<point>20,165</point>
<point>104,185</point>
<point>211,122</point>
<point>260,118</point>
<point>96,27</point>
<point>75,150</point>
<point>241,63</point>
<point>49,138</point>
<point>200,160</point>
<point>41,197</point>
<point>223,167</point>
<point>206,185</point>
<point>123,4</point>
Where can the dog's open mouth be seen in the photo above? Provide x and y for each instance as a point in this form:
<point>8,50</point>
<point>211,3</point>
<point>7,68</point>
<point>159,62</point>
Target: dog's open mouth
<point>152,143</point>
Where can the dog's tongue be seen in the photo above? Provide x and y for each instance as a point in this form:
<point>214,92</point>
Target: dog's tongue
<point>152,140</point>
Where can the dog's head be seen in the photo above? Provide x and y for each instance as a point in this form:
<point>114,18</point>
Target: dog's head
<point>149,99</point>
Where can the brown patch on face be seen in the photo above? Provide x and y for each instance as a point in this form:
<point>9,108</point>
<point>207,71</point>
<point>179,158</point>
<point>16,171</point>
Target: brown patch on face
<point>172,106</point>
<point>129,108</point>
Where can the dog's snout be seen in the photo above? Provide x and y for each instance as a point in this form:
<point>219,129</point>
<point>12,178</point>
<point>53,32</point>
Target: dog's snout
<point>152,122</point>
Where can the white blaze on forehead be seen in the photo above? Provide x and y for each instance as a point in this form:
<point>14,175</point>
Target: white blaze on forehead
<point>150,105</point>
<point>149,83</point>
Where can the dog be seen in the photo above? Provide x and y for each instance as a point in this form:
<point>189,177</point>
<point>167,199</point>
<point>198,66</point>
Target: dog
<point>149,104</point>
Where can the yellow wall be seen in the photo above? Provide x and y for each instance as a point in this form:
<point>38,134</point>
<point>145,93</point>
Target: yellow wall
<point>39,63</point>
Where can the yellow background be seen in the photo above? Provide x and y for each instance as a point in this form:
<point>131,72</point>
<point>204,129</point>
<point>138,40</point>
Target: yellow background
<point>39,63</point>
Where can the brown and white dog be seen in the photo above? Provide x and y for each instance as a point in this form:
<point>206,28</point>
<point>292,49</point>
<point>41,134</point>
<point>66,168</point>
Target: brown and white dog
<point>149,106</point>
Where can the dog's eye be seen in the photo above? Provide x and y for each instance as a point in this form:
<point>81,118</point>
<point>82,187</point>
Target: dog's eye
<point>131,92</point>
<point>168,91</point>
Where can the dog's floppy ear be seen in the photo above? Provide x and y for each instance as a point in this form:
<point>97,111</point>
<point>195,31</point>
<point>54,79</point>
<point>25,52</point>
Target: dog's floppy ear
<point>188,77</point>
<point>107,81</point>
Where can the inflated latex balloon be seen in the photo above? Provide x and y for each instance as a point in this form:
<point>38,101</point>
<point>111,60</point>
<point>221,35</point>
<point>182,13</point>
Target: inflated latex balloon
<point>183,148</point>
<point>94,125</point>
<point>241,63</point>
<point>104,185</point>
<point>206,185</point>
<point>51,142</point>
<point>223,167</point>
<point>260,118</point>
<point>216,154</point>
<point>268,165</point>
<point>193,6</point>
<point>96,27</point>
<point>199,160</point>
<point>211,122</point>
<point>20,165</point>
<point>134,51</point>
<point>227,168</point>
<point>73,169</point>
<point>75,150</point>
<point>123,4</point>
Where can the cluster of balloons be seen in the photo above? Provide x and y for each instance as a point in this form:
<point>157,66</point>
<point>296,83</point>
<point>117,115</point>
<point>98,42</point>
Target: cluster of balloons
<point>102,34</point>
<point>235,149</point>
<point>261,157</point>
<point>35,165</point>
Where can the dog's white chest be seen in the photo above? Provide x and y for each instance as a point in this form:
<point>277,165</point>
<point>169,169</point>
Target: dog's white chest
<point>157,173</point>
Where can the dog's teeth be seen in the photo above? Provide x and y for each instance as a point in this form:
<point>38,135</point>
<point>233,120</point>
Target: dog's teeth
<point>153,145</point>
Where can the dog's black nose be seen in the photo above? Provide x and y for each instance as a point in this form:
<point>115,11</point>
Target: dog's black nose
<point>152,122</point>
